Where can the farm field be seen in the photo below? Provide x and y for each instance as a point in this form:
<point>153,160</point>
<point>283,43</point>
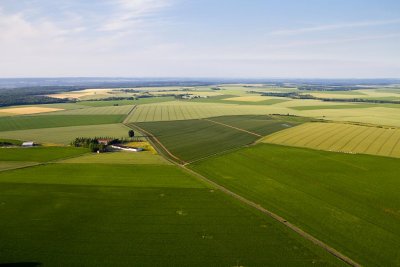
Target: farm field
<point>139,101</point>
<point>65,135</point>
<point>148,214</point>
<point>39,154</point>
<point>36,122</point>
<point>190,140</point>
<point>184,110</point>
<point>27,110</point>
<point>145,157</point>
<point>8,165</point>
<point>340,137</point>
<point>107,110</point>
<point>348,201</point>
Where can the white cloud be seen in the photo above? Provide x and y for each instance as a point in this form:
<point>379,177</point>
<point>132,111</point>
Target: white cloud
<point>335,27</point>
<point>132,13</point>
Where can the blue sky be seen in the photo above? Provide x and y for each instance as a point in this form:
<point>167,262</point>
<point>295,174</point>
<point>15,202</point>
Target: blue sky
<point>200,38</point>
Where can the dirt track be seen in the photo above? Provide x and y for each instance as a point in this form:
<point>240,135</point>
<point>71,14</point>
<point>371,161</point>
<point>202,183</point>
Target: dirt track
<point>278,218</point>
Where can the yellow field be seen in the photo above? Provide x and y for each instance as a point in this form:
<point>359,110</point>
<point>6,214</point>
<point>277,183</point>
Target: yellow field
<point>27,110</point>
<point>82,93</point>
<point>251,98</point>
<point>341,137</point>
<point>178,110</point>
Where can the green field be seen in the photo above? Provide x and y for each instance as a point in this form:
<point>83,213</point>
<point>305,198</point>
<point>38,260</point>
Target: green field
<point>146,215</point>
<point>346,138</point>
<point>144,157</point>
<point>39,154</point>
<point>36,122</point>
<point>349,201</point>
<point>8,165</point>
<point>194,139</point>
<point>351,106</point>
<point>65,135</point>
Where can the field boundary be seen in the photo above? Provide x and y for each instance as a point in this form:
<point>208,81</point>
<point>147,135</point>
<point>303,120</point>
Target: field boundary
<point>233,127</point>
<point>250,203</point>
<point>278,218</point>
<point>151,137</point>
<point>124,121</point>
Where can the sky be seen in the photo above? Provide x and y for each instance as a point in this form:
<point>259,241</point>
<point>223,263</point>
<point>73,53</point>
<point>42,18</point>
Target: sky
<point>200,38</point>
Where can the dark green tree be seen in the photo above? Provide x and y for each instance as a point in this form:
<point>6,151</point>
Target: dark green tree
<point>131,133</point>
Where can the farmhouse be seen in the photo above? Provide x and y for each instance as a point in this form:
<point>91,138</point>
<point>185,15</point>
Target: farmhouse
<point>28,144</point>
<point>104,141</point>
<point>127,148</point>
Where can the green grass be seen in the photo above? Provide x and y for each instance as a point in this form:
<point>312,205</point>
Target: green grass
<point>36,122</point>
<point>349,201</point>
<point>144,157</point>
<point>140,101</point>
<point>102,174</point>
<point>119,215</point>
<point>39,154</point>
<point>194,139</point>
<point>8,165</point>
<point>64,135</point>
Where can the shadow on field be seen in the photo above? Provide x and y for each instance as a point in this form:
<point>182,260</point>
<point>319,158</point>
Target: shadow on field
<point>21,264</point>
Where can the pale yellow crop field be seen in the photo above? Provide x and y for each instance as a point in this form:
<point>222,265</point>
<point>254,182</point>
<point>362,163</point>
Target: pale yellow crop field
<point>341,137</point>
<point>250,98</point>
<point>27,110</point>
<point>177,110</point>
<point>83,93</point>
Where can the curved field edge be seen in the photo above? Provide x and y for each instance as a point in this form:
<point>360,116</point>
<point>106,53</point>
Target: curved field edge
<point>348,201</point>
<point>340,137</point>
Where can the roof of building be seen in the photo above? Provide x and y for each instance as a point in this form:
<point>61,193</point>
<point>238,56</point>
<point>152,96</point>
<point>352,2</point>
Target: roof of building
<point>28,143</point>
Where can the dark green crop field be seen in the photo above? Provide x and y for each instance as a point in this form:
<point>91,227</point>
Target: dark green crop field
<point>39,154</point>
<point>350,202</point>
<point>194,139</point>
<point>108,215</point>
<point>51,121</point>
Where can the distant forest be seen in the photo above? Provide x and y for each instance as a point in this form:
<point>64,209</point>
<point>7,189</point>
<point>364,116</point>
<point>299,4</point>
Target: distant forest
<point>37,94</point>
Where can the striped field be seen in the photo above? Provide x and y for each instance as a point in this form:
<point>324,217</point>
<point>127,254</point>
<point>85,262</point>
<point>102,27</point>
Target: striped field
<point>179,110</point>
<point>338,137</point>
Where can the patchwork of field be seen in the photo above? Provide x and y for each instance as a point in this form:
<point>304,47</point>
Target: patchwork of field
<point>65,135</point>
<point>36,122</point>
<point>144,215</point>
<point>190,140</point>
<point>339,137</point>
<point>348,201</point>
<point>27,110</point>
